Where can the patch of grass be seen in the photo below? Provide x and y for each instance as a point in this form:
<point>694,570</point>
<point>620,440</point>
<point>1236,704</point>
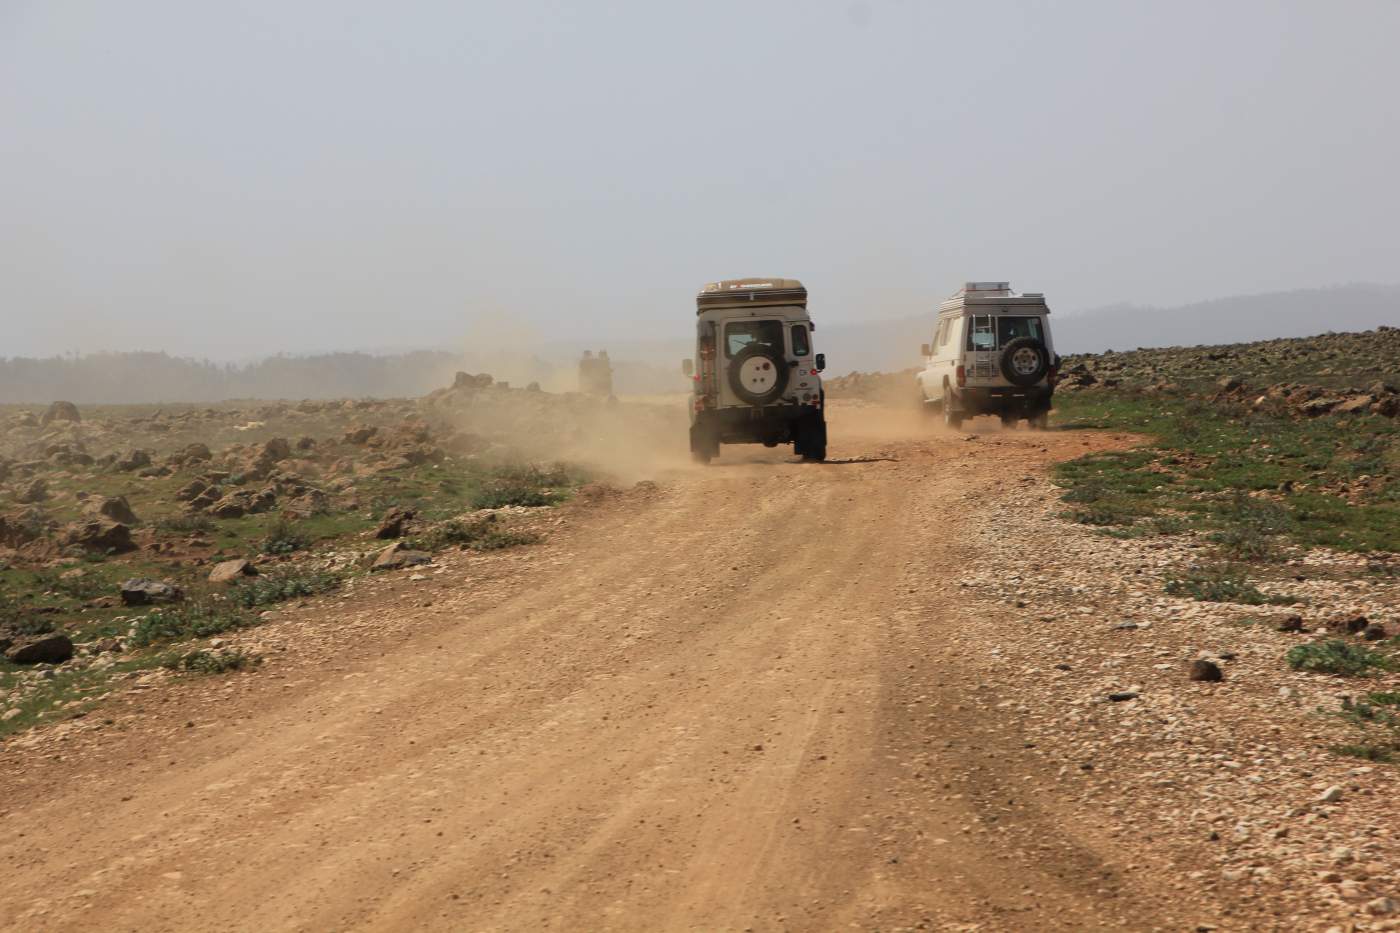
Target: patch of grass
<point>213,662</point>
<point>181,623</point>
<point>479,535</point>
<point>185,524</point>
<point>1381,754</point>
<point>284,538</point>
<point>1220,585</point>
<point>1252,480</point>
<point>522,486</point>
<point>1097,515</point>
<point>1336,656</point>
<point>276,588</point>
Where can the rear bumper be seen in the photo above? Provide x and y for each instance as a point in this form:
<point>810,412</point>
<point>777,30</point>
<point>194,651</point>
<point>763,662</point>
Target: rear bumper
<point>769,424</point>
<point>998,399</point>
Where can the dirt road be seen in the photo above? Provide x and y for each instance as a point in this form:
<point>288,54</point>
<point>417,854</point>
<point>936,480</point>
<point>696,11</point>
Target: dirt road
<point>747,699</point>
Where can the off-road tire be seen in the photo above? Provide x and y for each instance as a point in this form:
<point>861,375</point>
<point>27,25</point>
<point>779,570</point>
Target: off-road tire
<point>780,379</point>
<point>810,442</point>
<point>1024,361</point>
<point>952,415</point>
<point>704,446</point>
<point>1039,421</point>
<point>1008,422</point>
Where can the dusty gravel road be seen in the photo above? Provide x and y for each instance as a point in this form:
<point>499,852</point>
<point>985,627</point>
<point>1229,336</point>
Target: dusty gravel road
<point>739,701</point>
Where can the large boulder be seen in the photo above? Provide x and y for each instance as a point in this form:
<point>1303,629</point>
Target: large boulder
<point>42,649</point>
<point>397,556</point>
<point>99,535</point>
<point>144,592</point>
<point>61,411</point>
<point>132,460</point>
<point>232,570</point>
<point>35,491</point>
<point>392,524</point>
<point>276,450</point>
<point>114,507</point>
<point>16,530</point>
<point>189,491</point>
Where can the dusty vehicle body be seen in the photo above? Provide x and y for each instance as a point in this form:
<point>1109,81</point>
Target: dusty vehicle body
<point>991,354</point>
<point>595,375</point>
<point>756,374</point>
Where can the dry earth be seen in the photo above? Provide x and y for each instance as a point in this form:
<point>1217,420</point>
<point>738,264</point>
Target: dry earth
<point>759,696</point>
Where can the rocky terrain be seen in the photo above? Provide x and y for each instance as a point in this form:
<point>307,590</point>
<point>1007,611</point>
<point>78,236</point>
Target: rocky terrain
<point>1200,728</point>
<point>1350,373</point>
<point>128,534</point>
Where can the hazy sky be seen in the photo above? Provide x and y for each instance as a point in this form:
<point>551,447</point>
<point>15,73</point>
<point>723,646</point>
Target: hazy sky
<point>233,179</point>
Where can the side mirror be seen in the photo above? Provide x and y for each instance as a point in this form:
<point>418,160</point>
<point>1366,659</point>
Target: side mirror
<point>687,367</point>
<point>821,362</point>
<point>925,349</point>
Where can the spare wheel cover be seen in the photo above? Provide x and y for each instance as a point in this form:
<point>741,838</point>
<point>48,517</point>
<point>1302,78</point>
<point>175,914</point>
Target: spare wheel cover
<point>758,375</point>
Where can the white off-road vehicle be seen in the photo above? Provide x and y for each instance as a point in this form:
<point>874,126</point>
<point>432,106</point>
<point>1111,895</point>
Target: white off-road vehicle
<point>757,379</point>
<point>991,355</point>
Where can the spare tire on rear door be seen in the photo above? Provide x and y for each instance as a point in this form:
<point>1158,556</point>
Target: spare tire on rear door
<point>1024,361</point>
<point>758,374</point>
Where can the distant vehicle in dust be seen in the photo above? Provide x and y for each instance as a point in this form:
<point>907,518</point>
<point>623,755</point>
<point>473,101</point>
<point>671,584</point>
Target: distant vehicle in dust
<point>595,376</point>
<point>991,355</point>
<point>757,377</point>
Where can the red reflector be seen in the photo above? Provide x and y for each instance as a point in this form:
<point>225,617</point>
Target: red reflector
<point>962,375</point>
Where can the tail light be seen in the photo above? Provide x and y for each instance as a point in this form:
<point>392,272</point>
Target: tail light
<point>962,375</point>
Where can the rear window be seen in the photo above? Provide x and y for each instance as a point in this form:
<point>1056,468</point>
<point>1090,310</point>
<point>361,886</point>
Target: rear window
<point>988,331</point>
<point>739,334</point>
<point>801,346</point>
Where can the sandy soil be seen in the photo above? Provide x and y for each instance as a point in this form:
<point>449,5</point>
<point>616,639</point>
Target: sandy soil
<point>739,699</point>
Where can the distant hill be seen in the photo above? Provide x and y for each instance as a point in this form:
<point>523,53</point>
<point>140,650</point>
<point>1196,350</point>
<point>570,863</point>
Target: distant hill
<point>1240,319</point>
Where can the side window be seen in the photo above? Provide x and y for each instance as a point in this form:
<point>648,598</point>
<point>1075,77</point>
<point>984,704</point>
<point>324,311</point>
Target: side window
<point>944,329</point>
<point>801,346</point>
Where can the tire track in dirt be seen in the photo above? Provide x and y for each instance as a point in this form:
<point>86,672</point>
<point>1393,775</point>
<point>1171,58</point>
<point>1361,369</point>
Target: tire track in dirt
<point>737,704</point>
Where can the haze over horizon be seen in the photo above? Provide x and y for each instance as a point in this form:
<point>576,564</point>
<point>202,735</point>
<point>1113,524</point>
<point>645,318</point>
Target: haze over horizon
<point>257,178</point>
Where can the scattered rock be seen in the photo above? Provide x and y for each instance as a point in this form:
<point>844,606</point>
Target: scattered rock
<point>143,592</point>
<point>99,535</point>
<point>35,491</point>
<point>1330,795</point>
<point>114,507</point>
<point>231,570</point>
<point>132,460</point>
<point>60,411</point>
<point>191,490</point>
<point>1291,624</point>
<point>1374,632</point>
<point>396,556</point>
<point>1207,671</point>
<point>45,649</point>
<point>1123,695</point>
<point>392,524</point>
<point>1350,625</point>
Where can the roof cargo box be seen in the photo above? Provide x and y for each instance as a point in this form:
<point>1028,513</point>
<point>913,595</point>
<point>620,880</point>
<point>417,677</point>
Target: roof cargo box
<point>750,293</point>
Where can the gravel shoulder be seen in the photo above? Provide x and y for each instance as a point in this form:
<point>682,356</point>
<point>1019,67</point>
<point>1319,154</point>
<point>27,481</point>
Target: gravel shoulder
<point>765,695</point>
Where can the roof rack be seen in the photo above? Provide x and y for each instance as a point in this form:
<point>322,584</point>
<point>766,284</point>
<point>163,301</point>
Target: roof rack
<point>748,293</point>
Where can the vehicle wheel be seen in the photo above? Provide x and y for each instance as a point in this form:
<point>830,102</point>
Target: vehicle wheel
<point>1008,422</point>
<point>1039,421</point>
<point>952,417</point>
<point>703,445</point>
<point>810,444</point>
<point>1024,361</point>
